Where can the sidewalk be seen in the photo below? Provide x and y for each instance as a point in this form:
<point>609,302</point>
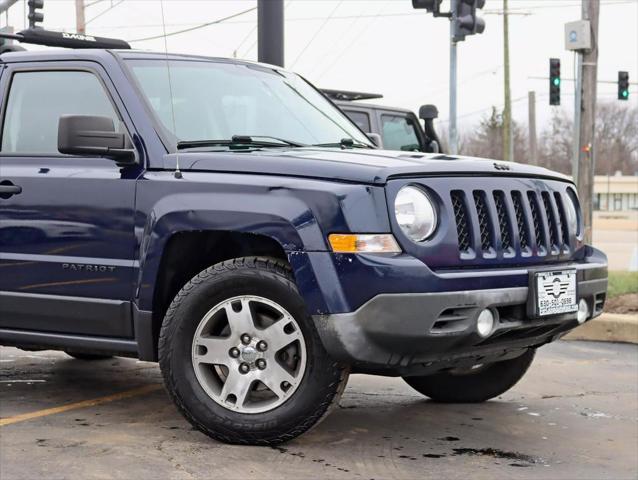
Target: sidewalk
<point>609,327</point>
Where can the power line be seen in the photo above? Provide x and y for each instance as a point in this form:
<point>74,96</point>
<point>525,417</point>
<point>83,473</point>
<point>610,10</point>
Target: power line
<point>326,20</point>
<point>102,12</point>
<point>197,27</point>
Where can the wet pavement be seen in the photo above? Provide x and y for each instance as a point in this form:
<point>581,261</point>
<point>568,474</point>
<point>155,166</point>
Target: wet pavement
<point>575,415</point>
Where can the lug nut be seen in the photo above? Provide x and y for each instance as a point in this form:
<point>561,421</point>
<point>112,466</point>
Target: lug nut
<point>261,363</point>
<point>245,339</point>
<point>234,352</point>
<point>244,368</point>
<point>262,346</point>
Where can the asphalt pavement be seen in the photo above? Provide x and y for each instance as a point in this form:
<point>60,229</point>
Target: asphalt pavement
<point>574,416</point>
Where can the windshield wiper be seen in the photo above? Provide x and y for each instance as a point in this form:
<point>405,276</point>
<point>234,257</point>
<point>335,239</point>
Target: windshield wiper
<point>345,143</point>
<point>241,141</point>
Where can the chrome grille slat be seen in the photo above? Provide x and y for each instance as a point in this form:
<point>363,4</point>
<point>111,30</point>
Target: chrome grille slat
<point>503,220</point>
<point>537,222</point>
<point>523,234</point>
<point>484,220</point>
<point>461,221</point>
<point>564,228</point>
<point>551,221</point>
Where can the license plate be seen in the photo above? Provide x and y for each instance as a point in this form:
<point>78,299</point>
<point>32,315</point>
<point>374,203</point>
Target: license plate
<point>556,292</point>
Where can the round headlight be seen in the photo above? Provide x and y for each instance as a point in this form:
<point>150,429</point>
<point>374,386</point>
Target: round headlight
<point>415,213</point>
<point>572,209</point>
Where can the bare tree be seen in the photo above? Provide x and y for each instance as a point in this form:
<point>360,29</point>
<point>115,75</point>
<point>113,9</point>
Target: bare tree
<point>486,140</point>
<point>616,141</point>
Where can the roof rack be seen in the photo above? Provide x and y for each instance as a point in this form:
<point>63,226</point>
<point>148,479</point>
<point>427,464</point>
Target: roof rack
<point>38,36</point>
<point>349,96</point>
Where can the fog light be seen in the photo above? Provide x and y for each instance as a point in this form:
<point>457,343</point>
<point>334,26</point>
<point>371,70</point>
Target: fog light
<point>583,311</point>
<point>485,323</point>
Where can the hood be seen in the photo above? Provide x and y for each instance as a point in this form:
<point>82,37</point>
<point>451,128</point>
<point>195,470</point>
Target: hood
<point>360,166</point>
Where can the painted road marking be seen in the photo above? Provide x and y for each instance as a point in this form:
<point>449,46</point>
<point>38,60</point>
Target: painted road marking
<point>83,404</point>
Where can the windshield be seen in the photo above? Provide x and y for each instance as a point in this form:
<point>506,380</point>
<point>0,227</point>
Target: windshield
<point>217,100</point>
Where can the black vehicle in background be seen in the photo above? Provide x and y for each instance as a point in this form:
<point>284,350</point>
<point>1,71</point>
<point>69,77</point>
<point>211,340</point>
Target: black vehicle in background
<point>397,128</point>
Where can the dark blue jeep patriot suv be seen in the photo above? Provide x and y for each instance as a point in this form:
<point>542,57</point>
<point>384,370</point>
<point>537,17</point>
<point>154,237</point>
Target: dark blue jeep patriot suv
<point>224,218</point>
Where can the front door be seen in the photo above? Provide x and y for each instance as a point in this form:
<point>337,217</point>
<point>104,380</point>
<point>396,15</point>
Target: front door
<point>66,223</point>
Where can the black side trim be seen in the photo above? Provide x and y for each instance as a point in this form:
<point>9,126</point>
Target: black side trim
<point>26,339</point>
<point>73,315</point>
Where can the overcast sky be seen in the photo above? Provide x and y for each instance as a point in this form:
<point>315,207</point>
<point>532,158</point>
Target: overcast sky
<point>383,46</point>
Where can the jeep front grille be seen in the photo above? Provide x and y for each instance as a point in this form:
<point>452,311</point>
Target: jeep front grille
<point>525,222</point>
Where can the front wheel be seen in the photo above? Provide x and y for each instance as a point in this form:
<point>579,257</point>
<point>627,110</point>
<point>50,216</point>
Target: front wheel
<point>241,358</point>
<point>473,385</point>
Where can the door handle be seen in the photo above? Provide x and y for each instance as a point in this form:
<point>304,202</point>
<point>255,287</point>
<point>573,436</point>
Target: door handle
<point>7,189</point>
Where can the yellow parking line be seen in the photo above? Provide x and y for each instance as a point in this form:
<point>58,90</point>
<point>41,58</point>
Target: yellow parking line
<point>83,404</point>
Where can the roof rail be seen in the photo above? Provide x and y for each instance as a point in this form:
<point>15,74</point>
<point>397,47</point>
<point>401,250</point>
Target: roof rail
<point>349,96</point>
<point>38,36</point>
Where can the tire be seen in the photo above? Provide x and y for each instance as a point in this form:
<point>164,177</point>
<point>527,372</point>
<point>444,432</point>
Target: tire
<point>473,387</point>
<point>197,366</point>
<point>87,356</point>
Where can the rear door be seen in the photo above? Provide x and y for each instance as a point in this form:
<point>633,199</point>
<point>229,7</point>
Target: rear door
<point>67,238</point>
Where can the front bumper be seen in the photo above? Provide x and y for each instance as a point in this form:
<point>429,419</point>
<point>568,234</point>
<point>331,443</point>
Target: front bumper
<point>415,333</point>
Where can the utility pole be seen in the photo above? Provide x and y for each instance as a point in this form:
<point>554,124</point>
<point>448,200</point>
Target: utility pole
<point>270,31</point>
<point>508,144</point>
<point>453,133</point>
<point>80,20</point>
<point>531,110</point>
<point>586,128</point>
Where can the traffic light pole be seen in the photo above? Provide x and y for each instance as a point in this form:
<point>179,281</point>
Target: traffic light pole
<point>453,133</point>
<point>270,31</point>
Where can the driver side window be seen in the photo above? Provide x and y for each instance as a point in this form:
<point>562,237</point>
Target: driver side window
<point>38,99</point>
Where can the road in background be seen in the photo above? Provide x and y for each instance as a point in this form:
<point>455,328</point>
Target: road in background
<point>616,234</point>
<point>575,415</point>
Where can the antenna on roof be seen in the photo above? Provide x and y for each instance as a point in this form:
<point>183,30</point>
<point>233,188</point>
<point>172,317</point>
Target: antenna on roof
<point>178,172</point>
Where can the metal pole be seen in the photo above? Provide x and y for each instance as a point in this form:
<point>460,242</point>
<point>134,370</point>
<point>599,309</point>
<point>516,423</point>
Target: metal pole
<point>453,134</point>
<point>587,160</point>
<point>80,20</point>
<point>270,31</point>
<point>508,144</point>
<point>531,110</point>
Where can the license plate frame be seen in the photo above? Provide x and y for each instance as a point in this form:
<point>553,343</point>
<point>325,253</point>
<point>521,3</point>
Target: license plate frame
<point>540,293</point>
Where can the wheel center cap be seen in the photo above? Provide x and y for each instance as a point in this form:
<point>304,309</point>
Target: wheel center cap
<point>249,354</point>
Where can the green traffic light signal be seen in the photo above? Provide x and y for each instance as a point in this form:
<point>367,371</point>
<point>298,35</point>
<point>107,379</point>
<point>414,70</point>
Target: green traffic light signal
<point>623,85</point>
<point>556,81</point>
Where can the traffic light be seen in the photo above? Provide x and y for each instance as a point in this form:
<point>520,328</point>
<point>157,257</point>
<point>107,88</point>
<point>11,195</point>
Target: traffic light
<point>466,22</point>
<point>429,5</point>
<point>35,16</point>
<point>623,85</point>
<point>554,81</point>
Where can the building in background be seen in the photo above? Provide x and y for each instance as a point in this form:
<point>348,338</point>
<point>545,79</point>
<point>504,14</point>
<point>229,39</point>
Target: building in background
<point>615,193</point>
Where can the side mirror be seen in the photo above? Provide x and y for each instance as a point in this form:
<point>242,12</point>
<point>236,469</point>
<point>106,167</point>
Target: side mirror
<point>376,139</point>
<point>93,135</point>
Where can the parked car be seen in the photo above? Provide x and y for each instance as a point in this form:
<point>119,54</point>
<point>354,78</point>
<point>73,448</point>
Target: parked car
<point>395,128</point>
<point>256,243</point>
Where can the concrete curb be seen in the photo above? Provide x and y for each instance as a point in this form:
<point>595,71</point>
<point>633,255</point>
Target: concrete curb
<point>609,327</point>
